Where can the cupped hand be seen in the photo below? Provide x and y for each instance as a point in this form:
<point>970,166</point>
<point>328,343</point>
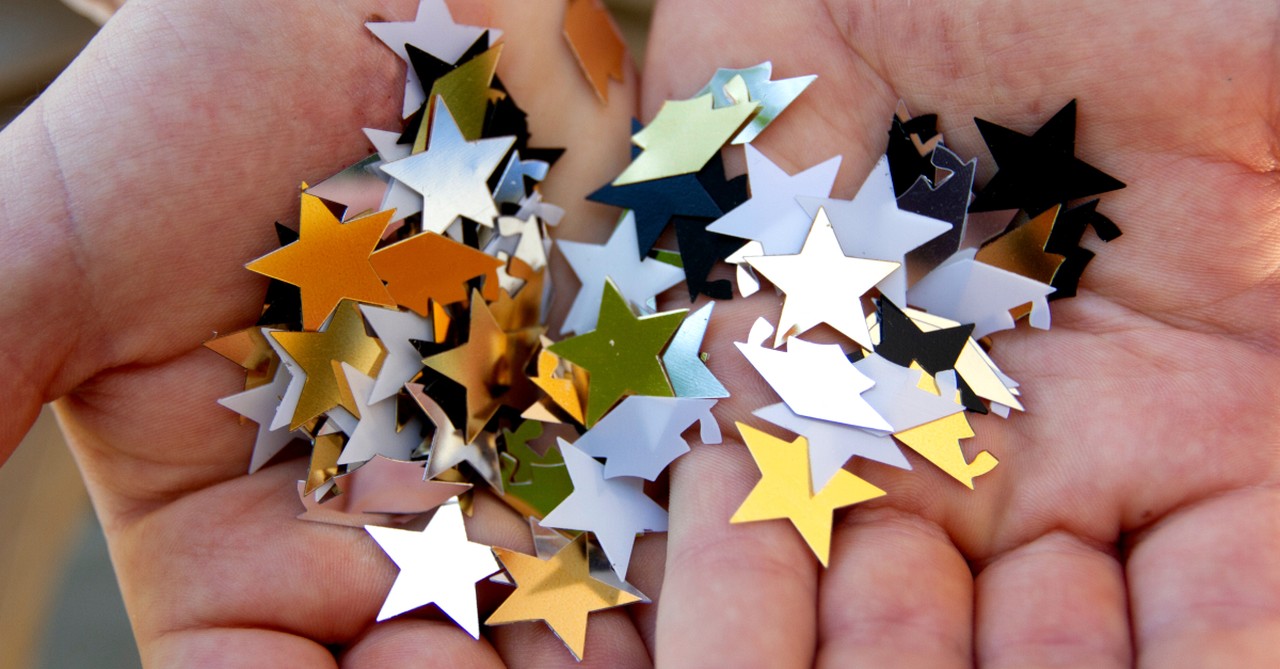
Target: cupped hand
<point>150,173</point>
<point>1134,511</point>
<point>1134,516</point>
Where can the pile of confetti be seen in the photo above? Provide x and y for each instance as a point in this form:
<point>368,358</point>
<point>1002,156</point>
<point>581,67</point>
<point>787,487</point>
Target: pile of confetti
<point>404,333</point>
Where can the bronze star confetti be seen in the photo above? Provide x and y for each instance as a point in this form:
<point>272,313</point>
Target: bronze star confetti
<point>594,39</point>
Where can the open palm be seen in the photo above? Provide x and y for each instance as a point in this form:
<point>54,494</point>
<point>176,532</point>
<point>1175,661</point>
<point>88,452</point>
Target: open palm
<point>1134,513</point>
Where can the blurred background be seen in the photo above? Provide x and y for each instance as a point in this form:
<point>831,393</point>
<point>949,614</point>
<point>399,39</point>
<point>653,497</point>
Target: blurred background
<point>60,606</point>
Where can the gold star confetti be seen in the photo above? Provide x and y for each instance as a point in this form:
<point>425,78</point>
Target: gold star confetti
<point>329,262</point>
<point>428,266</point>
<point>785,490</point>
<point>686,134</point>
<point>475,366</point>
<point>324,461</point>
<point>466,90</point>
<point>939,443</point>
<point>559,591</point>
<point>593,37</point>
<point>321,354</point>
<point>1021,250</point>
<point>623,353</point>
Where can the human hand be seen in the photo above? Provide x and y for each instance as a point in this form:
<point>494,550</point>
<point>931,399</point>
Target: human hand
<point>241,582</point>
<point>1134,513</point>
<point>178,136</point>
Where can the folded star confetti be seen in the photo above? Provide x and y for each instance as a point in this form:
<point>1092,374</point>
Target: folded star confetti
<point>404,353</point>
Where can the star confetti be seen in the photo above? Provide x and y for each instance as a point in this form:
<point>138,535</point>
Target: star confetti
<point>596,43</point>
<point>329,262</point>
<point>811,276</point>
<point>785,491</point>
<point>437,566</point>
<point>622,354</point>
<point>559,591</point>
<point>615,509</point>
<point>404,337</point>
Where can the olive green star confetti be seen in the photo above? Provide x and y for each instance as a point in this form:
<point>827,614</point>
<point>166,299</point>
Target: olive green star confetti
<point>623,354</point>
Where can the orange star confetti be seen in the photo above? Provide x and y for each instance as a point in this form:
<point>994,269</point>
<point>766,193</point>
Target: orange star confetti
<point>329,262</point>
<point>594,39</point>
<point>428,266</point>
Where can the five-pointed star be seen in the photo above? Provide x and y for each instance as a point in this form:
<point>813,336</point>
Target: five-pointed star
<point>376,433</point>
<point>622,353</point>
<point>831,445</point>
<point>428,266</point>
<point>1022,250</point>
<point>872,226</point>
<point>686,134</point>
<point>785,490</point>
<point>559,591</point>
<point>318,355</point>
<point>614,509</point>
<point>450,447</point>
<point>397,330</point>
<point>397,197</point>
<point>452,174</point>
<point>593,37</point>
<point>637,279</point>
<point>969,291</point>
<point>393,487</point>
<point>433,31</point>
<point>437,566</point>
<point>641,436</point>
<point>945,198</point>
<point>685,368</point>
<point>939,443</point>
<point>773,96</point>
<point>259,405</point>
<point>822,284</point>
<point>1039,171</point>
<point>329,262</point>
<point>815,380</point>
<point>475,366</point>
<point>655,203</point>
<point>903,342</point>
<point>771,216</point>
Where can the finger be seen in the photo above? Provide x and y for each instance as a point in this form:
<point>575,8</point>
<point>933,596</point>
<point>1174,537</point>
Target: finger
<point>230,648</point>
<point>420,643</point>
<point>732,594</point>
<point>1054,602</point>
<point>1205,585</point>
<point>897,593</point>
<point>612,641</point>
<point>648,561</point>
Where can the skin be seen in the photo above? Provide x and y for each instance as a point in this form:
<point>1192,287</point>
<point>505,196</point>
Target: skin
<point>1133,518</point>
